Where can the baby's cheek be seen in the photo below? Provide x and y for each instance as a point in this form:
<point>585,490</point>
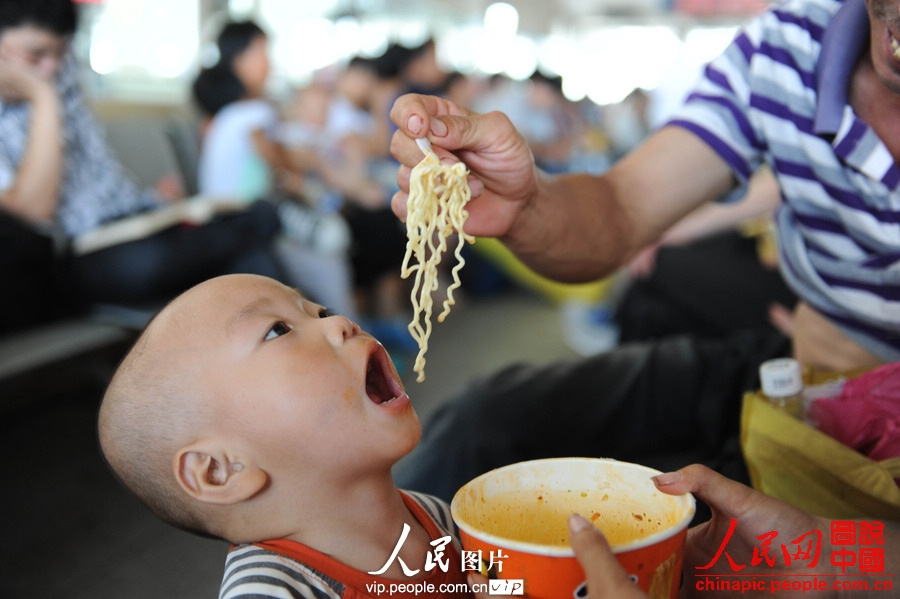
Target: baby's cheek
<point>349,395</point>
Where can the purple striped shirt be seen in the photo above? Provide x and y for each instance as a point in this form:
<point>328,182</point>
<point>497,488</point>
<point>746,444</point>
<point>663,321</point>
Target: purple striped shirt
<point>778,95</point>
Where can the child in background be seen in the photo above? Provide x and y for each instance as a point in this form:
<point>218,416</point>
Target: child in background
<point>334,154</point>
<point>247,412</point>
<point>330,131</point>
<point>240,157</point>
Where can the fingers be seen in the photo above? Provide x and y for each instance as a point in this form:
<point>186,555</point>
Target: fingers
<point>449,128</point>
<point>721,493</point>
<point>641,266</point>
<point>414,114</point>
<point>398,205</point>
<point>420,116</point>
<point>726,497</point>
<point>605,576</point>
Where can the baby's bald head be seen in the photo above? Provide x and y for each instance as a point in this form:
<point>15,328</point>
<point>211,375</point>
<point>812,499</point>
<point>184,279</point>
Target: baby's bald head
<point>155,404</point>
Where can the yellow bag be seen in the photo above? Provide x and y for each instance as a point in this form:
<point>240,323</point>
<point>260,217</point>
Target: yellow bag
<point>794,462</point>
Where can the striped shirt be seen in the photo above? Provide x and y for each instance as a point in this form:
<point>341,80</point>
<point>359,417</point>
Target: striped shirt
<point>95,187</point>
<point>289,570</point>
<point>778,95</point>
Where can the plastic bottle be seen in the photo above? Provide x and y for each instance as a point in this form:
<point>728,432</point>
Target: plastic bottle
<point>782,384</point>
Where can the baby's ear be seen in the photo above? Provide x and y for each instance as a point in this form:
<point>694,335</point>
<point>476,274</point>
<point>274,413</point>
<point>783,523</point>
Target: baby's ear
<point>208,472</point>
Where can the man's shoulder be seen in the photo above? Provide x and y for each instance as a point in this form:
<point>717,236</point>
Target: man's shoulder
<point>805,6</point>
<point>790,34</point>
<point>806,13</point>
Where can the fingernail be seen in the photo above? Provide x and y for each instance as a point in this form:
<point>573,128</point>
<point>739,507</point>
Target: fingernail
<point>476,187</point>
<point>414,124</point>
<point>438,127</point>
<point>577,523</point>
<point>667,478</point>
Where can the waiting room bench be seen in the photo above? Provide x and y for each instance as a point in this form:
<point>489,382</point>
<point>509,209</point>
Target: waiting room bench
<point>58,356</point>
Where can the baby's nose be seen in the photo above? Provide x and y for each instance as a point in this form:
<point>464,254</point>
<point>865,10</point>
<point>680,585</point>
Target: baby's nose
<point>342,328</point>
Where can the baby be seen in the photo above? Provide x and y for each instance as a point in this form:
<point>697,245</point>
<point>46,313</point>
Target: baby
<point>248,413</point>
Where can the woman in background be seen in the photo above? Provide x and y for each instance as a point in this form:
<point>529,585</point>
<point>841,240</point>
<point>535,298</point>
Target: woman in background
<point>57,172</point>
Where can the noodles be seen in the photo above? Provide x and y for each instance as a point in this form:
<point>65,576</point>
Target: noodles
<point>438,194</point>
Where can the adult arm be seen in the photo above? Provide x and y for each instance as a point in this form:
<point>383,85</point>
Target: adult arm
<point>271,151</point>
<point>287,166</point>
<point>572,227</point>
<point>762,197</point>
<point>34,191</point>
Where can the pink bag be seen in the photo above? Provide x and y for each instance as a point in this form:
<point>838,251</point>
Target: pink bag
<point>865,415</point>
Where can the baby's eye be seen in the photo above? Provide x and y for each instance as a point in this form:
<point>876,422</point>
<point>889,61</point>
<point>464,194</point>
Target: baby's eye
<point>325,313</point>
<point>278,329</point>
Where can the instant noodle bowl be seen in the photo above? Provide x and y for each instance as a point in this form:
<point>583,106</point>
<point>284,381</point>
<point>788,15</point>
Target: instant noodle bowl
<point>517,518</point>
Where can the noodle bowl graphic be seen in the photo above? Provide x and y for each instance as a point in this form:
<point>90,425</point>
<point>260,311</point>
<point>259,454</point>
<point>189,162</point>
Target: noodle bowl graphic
<point>438,194</point>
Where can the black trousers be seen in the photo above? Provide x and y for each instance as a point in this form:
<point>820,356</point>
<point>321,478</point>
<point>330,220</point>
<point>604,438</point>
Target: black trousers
<point>28,270</point>
<point>163,265</point>
<point>709,288</point>
<point>664,404</point>
<point>379,243</point>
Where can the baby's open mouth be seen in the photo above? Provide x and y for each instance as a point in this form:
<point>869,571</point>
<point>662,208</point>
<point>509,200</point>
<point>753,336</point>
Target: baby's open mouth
<point>381,386</point>
<point>895,46</point>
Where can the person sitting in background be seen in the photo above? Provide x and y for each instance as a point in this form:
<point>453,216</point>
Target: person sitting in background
<point>552,125</point>
<point>241,157</point>
<point>56,171</point>
<point>248,413</point>
<point>463,89</point>
<point>401,69</point>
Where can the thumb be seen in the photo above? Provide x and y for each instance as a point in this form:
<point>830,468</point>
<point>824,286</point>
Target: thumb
<point>605,576</point>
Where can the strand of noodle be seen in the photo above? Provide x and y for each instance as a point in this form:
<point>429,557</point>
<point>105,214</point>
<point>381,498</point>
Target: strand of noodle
<point>436,207</point>
<point>457,216</point>
<point>418,224</point>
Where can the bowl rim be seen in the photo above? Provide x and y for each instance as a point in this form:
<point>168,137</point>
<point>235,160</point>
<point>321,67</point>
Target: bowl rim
<point>686,500</point>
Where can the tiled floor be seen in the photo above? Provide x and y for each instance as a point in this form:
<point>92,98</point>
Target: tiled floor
<point>70,532</point>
